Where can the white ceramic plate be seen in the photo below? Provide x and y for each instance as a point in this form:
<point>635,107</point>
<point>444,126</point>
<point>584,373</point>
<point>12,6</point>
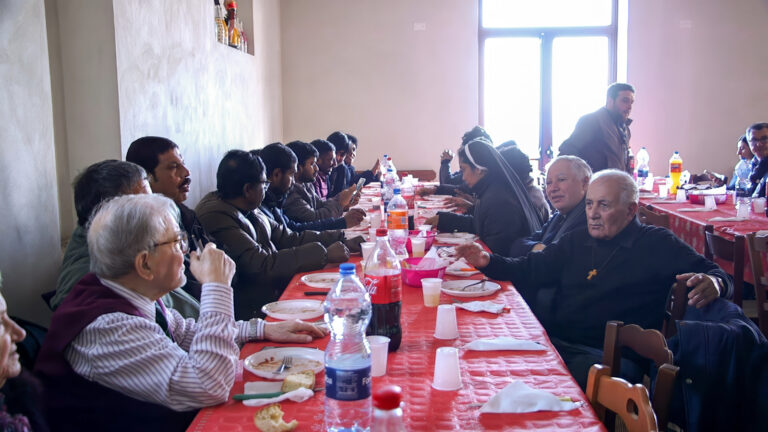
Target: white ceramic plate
<point>437,197</point>
<point>455,288</point>
<point>293,309</point>
<point>462,273</point>
<point>265,363</point>
<point>320,280</point>
<point>455,238</point>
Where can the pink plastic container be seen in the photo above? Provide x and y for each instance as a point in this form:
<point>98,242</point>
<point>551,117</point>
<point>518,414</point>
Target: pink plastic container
<point>427,243</point>
<point>413,277</point>
<point>699,198</point>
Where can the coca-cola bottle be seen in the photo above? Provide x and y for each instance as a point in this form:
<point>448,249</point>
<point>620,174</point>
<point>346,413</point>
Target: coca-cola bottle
<point>384,284</point>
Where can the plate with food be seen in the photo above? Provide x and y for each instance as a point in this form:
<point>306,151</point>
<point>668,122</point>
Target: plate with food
<point>455,238</point>
<point>293,309</point>
<point>320,280</point>
<point>265,363</point>
<point>470,288</point>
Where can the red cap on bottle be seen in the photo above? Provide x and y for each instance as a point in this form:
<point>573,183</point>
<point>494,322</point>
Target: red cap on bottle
<point>231,4</point>
<point>387,397</point>
<point>381,232</point>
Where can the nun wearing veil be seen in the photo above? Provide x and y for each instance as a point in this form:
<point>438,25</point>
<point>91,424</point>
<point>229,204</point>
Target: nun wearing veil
<point>503,211</point>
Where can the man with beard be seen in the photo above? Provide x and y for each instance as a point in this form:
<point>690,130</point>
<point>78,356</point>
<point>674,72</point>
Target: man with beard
<point>601,138</point>
<point>326,161</point>
<point>303,204</point>
<point>161,159</point>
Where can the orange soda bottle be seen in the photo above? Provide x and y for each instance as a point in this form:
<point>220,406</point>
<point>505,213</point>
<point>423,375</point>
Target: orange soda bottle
<point>675,169</point>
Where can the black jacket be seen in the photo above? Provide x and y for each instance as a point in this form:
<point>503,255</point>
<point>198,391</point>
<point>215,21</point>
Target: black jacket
<point>272,206</point>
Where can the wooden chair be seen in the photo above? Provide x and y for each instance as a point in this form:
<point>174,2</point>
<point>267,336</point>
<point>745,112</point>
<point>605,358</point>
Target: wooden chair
<point>731,251</point>
<point>630,402</point>
<point>649,344</point>
<point>757,247</point>
<point>677,301</point>
<point>649,217</point>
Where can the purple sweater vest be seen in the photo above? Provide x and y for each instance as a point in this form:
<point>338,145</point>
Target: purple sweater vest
<point>75,403</point>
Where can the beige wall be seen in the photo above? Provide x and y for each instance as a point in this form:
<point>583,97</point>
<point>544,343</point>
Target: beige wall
<point>699,70</point>
<point>29,233</point>
<point>359,66</point>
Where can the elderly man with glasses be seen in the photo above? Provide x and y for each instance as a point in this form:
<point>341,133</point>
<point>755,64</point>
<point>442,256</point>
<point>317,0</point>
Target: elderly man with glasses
<point>115,358</point>
<point>757,136</point>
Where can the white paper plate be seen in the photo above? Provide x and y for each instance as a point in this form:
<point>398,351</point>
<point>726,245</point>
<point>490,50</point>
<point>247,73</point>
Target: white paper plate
<point>455,238</point>
<point>320,280</point>
<point>293,309</point>
<point>265,363</point>
<point>461,273</point>
<point>454,288</point>
<point>437,197</point>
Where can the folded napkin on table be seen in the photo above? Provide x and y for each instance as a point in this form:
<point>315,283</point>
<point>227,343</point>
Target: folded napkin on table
<point>517,397</point>
<point>664,201</point>
<point>503,343</point>
<point>728,219</point>
<point>481,306</point>
<point>690,209</point>
<point>258,387</point>
<point>461,268</point>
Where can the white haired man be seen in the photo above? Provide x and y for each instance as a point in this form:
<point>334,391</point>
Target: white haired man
<point>115,358</point>
<point>615,269</point>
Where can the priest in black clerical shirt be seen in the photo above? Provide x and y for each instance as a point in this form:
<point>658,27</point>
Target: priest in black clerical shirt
<point>615,269</point>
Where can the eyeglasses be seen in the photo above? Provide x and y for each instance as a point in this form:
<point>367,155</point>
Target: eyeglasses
<point>181,239</point>
<point>762,140</point>
<point>264,184</point>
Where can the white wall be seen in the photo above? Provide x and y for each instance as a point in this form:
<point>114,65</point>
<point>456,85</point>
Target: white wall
<point>175,80</point>
<point>359,66</point>
<point>29,233</point>
<point>699,70</point>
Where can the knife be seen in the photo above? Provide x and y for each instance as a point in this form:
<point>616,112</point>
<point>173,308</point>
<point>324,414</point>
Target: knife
<point>315,293</point>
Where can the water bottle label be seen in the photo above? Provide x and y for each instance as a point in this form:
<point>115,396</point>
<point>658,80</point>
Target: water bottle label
<point>384,289</point>
<point>348,385</point>
<point>642,173</point>
<point>397,219</point>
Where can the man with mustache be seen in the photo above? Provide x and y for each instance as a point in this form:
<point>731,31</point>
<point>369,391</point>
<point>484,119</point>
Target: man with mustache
<point>615,269</point>
<point>167,174</point>
<point>601,138</point>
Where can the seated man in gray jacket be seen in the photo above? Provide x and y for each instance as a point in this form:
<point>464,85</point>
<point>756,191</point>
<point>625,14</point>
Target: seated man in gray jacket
<point>267,255</point>
<point>304,205</point>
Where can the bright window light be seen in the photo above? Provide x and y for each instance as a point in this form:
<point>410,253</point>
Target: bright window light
<point>512,93</point>
<point>545,13</point>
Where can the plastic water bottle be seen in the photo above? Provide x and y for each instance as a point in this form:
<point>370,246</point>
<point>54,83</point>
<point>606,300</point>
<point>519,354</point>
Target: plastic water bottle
<point>383,164</point>
<point>388,188</point>
<point>347,356</point>
<point>643,160</point>
<point>387,414</point>
<point>391,164</point>
<point>383,280</point>
<point>742,171</point>
<point>397,224</point>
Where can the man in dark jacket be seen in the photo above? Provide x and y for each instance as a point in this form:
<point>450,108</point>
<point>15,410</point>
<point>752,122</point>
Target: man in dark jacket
<point>161,159</point>
<point>344,175</point>
<point>303,204</point>
<point>267,254</point>
<point>601,138</point>
<point>616,269</point>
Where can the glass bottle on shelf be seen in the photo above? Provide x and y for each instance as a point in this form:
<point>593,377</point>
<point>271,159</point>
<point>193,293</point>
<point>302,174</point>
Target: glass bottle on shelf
<point>243,39</point>
<point>233,38</point>
<point>220,22</point>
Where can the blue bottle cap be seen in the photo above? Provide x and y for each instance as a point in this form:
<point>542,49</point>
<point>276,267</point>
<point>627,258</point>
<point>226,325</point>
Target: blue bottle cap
<point>397,190</point>
<point>347,269</point>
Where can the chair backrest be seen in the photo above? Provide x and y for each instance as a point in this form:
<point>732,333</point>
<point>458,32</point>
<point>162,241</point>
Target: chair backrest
<point>649,344</point>
<point>677,301</point>
<point>757,247</point>
<point>630,402</point>
<point>731,251</point>
<point>650,217</point>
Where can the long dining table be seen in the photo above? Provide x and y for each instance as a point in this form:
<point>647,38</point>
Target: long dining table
<point>483,373</point>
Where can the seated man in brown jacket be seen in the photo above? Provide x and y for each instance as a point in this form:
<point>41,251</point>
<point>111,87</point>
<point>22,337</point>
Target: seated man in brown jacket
<point>266,254</point>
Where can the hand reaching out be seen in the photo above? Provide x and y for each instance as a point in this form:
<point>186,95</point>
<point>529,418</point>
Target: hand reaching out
<point>474,254</point>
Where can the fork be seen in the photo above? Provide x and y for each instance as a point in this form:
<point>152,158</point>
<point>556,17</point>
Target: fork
<point>481,281</point>
<point>287,363</point>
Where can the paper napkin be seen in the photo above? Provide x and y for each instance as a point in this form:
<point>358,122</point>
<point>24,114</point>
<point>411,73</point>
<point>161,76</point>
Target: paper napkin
<point>694,209</point>
<point>517,397</point>
<point>503,343</point>
<point>728,219</point>
<point>481,306</point>
<point>461,268</point>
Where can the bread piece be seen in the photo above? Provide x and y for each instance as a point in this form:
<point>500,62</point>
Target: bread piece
<point>292,381</point>
<point>270,419</point>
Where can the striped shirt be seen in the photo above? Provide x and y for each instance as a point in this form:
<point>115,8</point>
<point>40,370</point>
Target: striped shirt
<point>132,355</point>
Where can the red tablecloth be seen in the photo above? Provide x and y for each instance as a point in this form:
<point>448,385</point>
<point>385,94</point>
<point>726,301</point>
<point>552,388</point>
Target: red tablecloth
<point>689,226</point>
<point>411,367</point>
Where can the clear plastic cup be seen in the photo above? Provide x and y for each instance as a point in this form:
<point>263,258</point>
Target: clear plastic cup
<point>743,205</point>
<point>417,246</point>
<point>445,324</point>
<point>379,350</point>
<point>447,372</point>
<point>758,205</point>
<point>367,248</point>
<point>663,191</point>
<point>431,287</point>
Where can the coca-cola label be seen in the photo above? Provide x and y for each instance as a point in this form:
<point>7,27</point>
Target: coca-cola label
<point>384,289</point>
<point>348,385</point>
<point>397,219</point>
